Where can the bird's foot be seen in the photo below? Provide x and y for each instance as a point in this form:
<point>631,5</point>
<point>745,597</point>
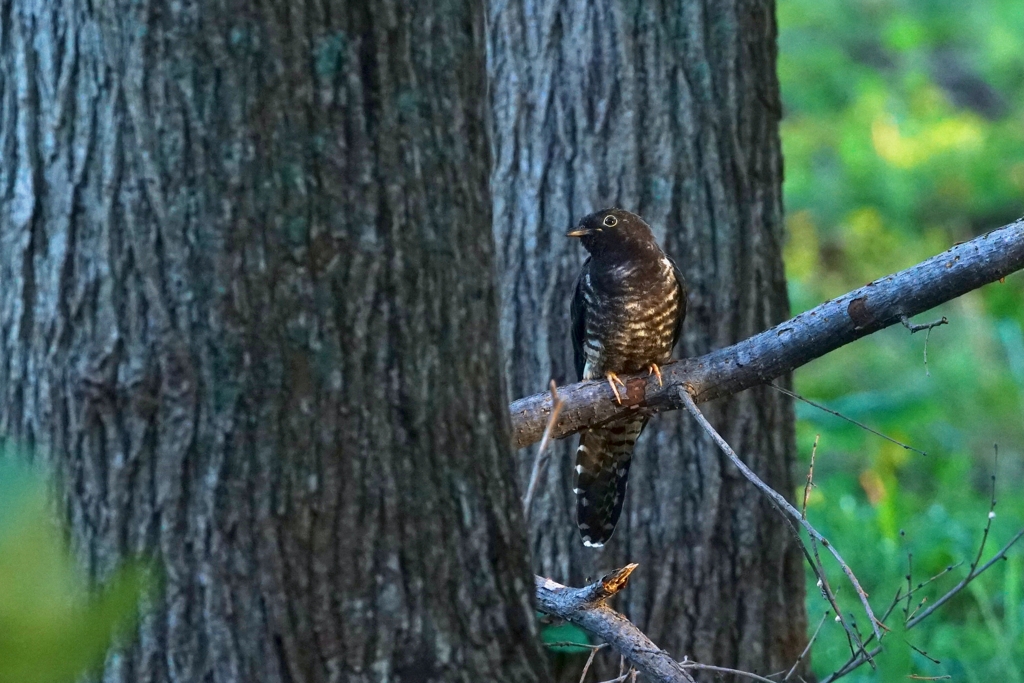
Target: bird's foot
<point>612,379</point>
<point>653,369</point>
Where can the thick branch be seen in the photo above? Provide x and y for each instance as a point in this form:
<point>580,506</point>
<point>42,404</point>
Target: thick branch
<point>783,348</point>
<point>586,608</point>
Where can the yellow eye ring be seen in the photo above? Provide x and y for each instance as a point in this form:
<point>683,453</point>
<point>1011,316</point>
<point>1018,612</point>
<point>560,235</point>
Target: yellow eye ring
<point>610,221</point>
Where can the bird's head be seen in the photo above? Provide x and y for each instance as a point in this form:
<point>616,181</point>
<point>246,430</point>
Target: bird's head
<point>612,231</point>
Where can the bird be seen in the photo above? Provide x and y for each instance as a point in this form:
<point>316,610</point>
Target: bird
<point>627,311</point>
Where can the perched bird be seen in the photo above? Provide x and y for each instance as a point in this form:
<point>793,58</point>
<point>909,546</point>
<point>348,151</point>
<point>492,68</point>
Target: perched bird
<point>627,310</point>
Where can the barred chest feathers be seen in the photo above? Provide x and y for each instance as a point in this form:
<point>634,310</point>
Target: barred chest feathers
<point>632,314</point>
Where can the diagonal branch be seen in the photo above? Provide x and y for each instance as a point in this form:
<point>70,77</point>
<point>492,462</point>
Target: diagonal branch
<point>586,608</point>
<point>782,504</point>
<point>787,346</point>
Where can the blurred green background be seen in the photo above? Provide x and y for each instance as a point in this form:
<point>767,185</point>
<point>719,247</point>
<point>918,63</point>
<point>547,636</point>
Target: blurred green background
<point>903,134</point>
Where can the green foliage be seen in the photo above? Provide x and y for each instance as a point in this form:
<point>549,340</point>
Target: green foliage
<point>904,133</point>
<point>51,628</point>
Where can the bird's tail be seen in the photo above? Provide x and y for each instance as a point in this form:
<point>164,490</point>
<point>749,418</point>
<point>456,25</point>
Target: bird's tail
<point>602,469</point>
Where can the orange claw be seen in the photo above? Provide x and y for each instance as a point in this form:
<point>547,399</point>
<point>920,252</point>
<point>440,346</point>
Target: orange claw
<point>653,369</point>
<point>612,379</point>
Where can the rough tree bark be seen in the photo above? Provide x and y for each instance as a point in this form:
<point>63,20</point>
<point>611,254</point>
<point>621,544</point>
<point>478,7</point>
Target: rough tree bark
<point>247,312</point>
<point>670,109</point>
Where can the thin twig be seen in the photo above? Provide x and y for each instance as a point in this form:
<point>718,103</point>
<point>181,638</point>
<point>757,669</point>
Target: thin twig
<point>826,590</point>
<point>974,573</point>
<point>927,336</point>
<point>863,426</point>
<point>851,665</point>
<point>690,664</point>
<point>620,678</point>
<point>899,593</point>
<point>541,459</point>
<point>924,326</point>
<point>853,639</point>
<point>810,477</point>
<point>807,649</point>
<point>927,327</point>
<point>586,667</point>
<point>910,584</point>
<point>918,608</point>
<point>937,576</point>
<point>569,643</point>
<point>781,502</point>
<point>923,653</point>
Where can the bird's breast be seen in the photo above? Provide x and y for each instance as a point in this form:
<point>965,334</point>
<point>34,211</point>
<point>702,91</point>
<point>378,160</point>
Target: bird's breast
<point>632,314</point>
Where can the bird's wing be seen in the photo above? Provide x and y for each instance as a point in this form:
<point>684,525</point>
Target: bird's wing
<point>682,302</point>
<point>578,310</point>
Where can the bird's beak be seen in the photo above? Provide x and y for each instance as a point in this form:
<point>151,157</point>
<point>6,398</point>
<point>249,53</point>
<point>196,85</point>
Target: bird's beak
<point>578,232</point>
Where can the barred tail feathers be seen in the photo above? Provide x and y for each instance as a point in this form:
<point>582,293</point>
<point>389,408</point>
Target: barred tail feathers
<point>602,470</point>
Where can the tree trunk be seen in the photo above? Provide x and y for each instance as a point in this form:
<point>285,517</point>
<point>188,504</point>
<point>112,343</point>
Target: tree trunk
<point>670,109</point>
<point>247,312</point>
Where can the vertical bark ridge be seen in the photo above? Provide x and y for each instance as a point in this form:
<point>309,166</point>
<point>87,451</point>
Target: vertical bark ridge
<point>248,314</point>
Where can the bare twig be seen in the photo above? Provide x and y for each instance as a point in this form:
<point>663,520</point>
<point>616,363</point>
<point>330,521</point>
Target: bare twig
<point>810,643</point>
<point>786,346</point>
<point>923,653</point>
<point>569,643</point>
<point>971,576</point>
<point>910,585</point>
<point>863,426</point>
<point>818,568</point>
<point>542,458</point>
<point>932,579</point>
<point>918,608</point>
<point>854,663</point>
<point>586,608</point>
<point>780,502</point>
<point>810,477</point>
<point>621,677</point>
<point>690,664</point>
<point>937,576</point>
<point>927,336</point>
<point>590,660</point>
<point>925,326</point>
<point>899,592</point>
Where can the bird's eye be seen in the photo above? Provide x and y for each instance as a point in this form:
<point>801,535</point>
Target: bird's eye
<point>610,221</point>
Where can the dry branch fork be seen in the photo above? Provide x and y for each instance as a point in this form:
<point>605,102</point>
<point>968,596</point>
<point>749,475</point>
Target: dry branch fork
<point>586,608</point>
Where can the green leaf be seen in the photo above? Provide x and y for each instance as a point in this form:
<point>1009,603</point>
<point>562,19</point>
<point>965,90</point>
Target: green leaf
<point>52,627</point>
